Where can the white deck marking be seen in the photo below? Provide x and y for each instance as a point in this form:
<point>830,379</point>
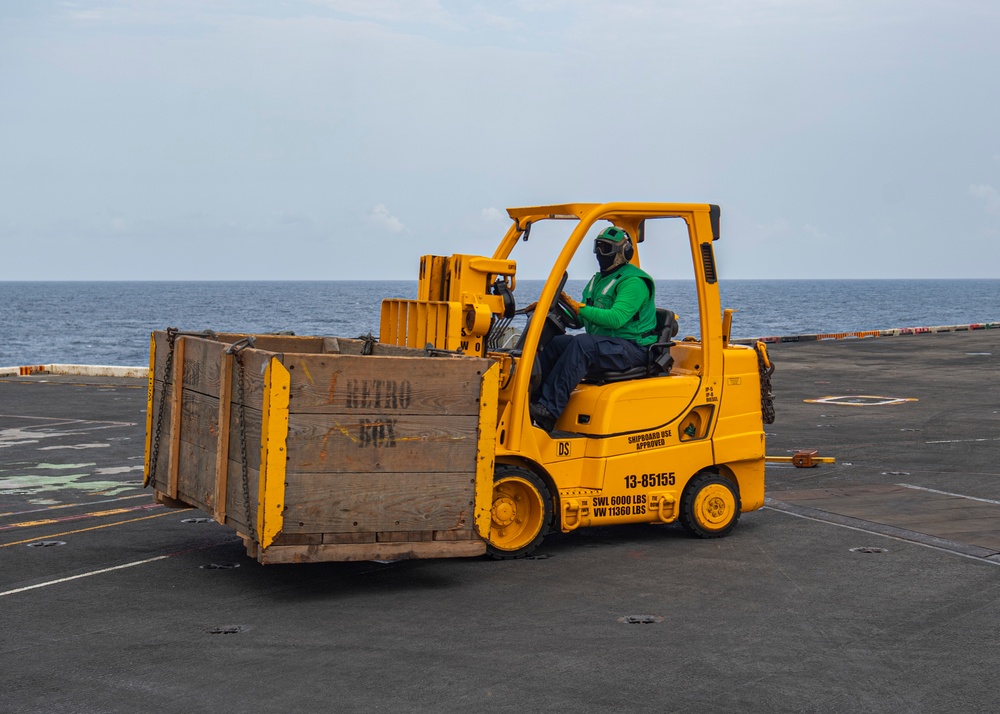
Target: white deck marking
<point>948,493</point>
<point>86,575</point>
<point>113,568</point>
<point>777,509</point>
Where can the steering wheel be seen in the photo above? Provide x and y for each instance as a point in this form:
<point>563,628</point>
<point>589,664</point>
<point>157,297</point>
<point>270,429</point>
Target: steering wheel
<point>561,311</point>
<point>564,313</point>
<point>557,320</point>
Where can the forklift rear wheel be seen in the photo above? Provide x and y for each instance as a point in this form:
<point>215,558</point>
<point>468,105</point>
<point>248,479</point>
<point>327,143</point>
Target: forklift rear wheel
<point>710,506</point>
<point>521,513</point>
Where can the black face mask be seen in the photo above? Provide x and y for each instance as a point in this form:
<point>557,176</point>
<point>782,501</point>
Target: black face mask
<point>606,261</point>
<point>606,253</point>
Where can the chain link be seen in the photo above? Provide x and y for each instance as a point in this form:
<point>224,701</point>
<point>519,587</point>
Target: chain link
<point>236,350</point>
<point>766,368</point>
<point>158,428</point>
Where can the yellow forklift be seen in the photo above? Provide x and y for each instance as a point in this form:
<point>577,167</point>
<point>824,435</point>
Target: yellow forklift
<point>679,440</point>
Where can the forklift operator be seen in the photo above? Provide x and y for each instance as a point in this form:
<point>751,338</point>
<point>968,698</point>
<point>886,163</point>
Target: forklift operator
<point>619,314</point>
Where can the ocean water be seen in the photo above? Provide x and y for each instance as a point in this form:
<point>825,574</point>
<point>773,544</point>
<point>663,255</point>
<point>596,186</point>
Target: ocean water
<point>108,323</point>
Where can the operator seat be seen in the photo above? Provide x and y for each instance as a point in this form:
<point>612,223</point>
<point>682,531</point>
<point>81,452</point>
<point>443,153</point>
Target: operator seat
<point>659,360</point>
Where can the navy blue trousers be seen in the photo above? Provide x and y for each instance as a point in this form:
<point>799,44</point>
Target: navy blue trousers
<point>567,359</point>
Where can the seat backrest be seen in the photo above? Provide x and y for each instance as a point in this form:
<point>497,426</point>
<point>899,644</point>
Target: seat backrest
<point>660,360</point>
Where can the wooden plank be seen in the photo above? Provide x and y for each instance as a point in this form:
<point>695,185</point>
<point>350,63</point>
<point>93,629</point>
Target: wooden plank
<point>367,442</point>
<point>348,346</point>
<point>370,551</point>
<point>299,539</point>
<point>236,511</point>
<point>198,458</point>
<point>252,550</point>
<point>294,344</point>
<point>197,487</point>
<point>348,537</point>
<point>165,500</point>
<point>254,362</point>
<point>196,484</point>
<point>200,426</point>
<point>456,535</point>
<point>352,502</point>
<point>177,392</point>
<point>403,536</point>
<point>203,366</point>
<point>345,384</point>
<point>331,345</point>
<point>276,343</point>
<point>222,447</point>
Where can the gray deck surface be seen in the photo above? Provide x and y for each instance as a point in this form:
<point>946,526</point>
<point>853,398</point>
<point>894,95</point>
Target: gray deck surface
<point>784,615</point>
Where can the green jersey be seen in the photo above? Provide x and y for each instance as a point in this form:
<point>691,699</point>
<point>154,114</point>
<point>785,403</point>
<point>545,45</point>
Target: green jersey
<point>621,304</point>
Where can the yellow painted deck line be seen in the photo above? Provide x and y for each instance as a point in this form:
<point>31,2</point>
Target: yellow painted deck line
<point>45,509</point>
<point>79,517</point>
<point>94,528</point>
<point>59,421</point>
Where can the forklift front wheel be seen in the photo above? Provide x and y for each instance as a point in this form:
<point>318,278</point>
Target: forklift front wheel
<point>520,515</point>
<point>710,506</point>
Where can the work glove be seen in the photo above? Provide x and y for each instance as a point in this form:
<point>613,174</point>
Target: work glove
<point>571,303</point>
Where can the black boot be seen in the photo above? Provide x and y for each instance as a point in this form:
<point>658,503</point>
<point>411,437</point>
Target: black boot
<point>541,417</point>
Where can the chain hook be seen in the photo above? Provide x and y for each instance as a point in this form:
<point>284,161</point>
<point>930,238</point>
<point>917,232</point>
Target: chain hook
<point>239,346</point>
<point>369,344</point>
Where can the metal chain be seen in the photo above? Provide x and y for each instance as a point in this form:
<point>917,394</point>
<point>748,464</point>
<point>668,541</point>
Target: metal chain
<point>172,334</point>
<point>236,350</point>
<point>766,368</point>
<point>167,371</point>
<point>368,347</point>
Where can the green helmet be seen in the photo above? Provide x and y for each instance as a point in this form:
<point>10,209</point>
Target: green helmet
<point>614,240</point>
<point>613,234</point>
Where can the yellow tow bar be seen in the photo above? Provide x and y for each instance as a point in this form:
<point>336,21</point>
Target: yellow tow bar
<point>804,459</point>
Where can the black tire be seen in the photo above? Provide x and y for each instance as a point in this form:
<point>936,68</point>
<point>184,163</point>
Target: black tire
<point>521,513</point>
<point>710,506</point>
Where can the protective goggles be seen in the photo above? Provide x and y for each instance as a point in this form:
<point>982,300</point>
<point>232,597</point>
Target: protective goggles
<point>605,247</point>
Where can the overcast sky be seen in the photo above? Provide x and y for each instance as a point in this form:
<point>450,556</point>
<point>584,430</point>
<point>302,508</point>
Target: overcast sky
<point>342,139</point>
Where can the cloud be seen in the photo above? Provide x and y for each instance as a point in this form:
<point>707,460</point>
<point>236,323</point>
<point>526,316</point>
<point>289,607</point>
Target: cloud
<point>420,11</point>
<point>777,227</point>
<point>814,233</point>
<point>288,218</point>
<point>988,195</point>
<point>381,218</point>
<point>494,215</point>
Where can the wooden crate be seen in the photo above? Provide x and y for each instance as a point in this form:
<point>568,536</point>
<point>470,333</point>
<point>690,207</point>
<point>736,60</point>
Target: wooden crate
<point>347,456</point>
